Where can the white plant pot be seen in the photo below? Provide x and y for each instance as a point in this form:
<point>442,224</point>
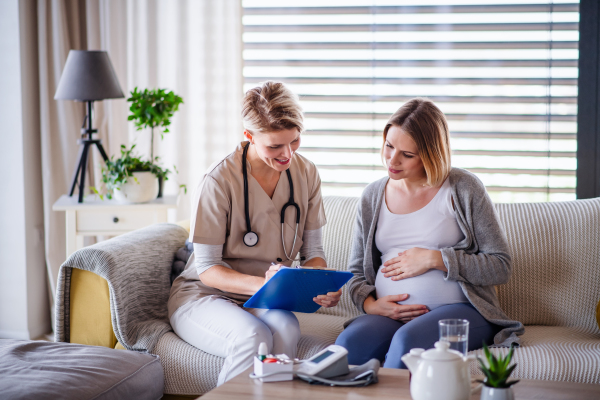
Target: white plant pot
<point>490,393</point>
<point>142,191</point>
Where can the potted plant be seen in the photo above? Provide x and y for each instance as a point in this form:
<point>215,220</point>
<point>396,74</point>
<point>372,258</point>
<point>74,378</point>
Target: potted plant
<point>497,371</point>
<point>153,109</point>
<point>130,179</point>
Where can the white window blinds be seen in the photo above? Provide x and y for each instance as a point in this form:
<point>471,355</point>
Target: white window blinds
<point>503,72</point>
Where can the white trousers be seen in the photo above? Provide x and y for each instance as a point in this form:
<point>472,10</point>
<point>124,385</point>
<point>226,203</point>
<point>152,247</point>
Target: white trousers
<point>221,327</point>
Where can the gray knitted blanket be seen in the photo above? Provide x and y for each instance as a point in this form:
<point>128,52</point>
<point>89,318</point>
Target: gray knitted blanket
<point>137,267</point>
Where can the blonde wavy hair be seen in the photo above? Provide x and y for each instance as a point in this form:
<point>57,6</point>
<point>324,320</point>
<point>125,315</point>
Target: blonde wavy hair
<point>426,124</point>
<point>271,107</point>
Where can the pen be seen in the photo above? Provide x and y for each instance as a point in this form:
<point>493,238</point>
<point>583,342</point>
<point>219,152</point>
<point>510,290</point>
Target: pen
<point>297,266</point>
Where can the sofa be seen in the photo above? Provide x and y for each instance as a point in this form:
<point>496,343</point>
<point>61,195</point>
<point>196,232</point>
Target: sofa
<point>554,290</point>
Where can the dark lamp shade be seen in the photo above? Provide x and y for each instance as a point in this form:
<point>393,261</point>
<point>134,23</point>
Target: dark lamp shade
<point>88,76</point>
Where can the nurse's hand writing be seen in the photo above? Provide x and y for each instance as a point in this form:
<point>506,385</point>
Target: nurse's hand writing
<point>328,300</point>
<point>412,262</point>
<point>388,306</point>
<point>271,271</point>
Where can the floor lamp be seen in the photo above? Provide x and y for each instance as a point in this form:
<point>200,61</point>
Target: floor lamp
<point>88,76</point>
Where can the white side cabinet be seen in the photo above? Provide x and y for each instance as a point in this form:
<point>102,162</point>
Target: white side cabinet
<point>108,217</point>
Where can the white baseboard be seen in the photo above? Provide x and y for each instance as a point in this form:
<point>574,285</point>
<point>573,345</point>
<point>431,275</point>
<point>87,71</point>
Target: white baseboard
<point>22,334</point>
<point>41,333</point>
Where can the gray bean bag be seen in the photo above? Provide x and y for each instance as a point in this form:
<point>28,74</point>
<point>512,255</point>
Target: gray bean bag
<point>46,370</point>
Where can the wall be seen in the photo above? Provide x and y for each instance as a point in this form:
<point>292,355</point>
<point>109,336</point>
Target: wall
<point>24,307</point>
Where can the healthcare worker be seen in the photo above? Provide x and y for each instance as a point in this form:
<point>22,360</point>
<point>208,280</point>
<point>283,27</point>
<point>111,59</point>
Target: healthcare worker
<point>238,232</point>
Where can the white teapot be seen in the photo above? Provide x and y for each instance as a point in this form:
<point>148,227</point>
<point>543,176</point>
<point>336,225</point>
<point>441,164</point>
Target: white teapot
<point>439,374</point>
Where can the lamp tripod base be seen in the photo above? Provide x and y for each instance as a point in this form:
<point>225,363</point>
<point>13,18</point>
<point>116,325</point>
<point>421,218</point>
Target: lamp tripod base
<point>82,164</point>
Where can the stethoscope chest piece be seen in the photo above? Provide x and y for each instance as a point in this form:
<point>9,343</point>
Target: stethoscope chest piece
<point>250,239</point>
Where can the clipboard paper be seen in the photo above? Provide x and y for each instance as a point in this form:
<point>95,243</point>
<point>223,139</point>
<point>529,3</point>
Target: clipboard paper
<point>293,289</point>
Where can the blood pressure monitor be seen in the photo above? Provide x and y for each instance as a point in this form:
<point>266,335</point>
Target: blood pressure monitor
<point>330,362</point>
<point>327,367</point>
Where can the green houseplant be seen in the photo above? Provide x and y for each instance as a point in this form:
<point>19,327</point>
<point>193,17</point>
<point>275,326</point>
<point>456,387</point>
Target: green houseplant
<point>497,370</point>
<point>151,109</point>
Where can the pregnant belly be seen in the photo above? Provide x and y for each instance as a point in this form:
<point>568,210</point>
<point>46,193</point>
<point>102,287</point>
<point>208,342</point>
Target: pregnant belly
<point>429,289</point>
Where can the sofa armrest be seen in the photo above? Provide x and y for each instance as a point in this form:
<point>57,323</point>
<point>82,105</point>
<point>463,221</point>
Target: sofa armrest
<point>136,267</point>
<point>90,308</point>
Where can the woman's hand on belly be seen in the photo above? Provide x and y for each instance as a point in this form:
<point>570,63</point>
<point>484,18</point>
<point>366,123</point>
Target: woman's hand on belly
<point>388,306</point>
<point>328,300</point>
<point>413,262</point>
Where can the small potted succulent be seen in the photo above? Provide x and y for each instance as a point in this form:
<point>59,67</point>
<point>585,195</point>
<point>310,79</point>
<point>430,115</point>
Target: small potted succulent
<point>497,371</point>
<point>153,109</point>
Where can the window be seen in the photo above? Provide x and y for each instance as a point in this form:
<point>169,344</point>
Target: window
<point>503,72</point>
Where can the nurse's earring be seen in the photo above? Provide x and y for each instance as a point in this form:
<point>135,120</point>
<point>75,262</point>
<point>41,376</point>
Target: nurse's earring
<point>248,136</point>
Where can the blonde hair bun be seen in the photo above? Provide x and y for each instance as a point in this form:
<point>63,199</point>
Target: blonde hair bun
<point>271,107</point>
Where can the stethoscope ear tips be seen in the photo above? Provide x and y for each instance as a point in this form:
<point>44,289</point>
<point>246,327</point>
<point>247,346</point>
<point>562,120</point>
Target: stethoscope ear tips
<point>279,260</point>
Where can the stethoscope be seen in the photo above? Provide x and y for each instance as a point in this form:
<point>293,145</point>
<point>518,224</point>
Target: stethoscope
<point>251,238</point>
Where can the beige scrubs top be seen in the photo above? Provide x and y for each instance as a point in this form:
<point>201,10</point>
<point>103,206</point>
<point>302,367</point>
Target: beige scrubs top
<point>218,218</point>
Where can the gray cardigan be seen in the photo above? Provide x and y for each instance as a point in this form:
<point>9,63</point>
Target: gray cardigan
<point>478,262</point>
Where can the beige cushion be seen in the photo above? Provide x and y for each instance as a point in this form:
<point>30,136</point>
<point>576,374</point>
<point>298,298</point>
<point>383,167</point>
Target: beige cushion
<point>556,263</point>
<point>318,332</point>
<point>554,353</point>
<point>598,314</point>
<point>337,240</point>
<point>188,370</point>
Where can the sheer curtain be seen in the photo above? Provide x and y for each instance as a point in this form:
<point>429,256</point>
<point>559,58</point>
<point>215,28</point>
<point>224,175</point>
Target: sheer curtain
<point>60,28</point>
<point>192,47</point>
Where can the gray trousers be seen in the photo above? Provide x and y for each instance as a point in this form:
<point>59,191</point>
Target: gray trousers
<point>221,327</point>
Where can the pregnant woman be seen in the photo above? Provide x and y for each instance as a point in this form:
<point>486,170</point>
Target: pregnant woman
<point>427,246</point>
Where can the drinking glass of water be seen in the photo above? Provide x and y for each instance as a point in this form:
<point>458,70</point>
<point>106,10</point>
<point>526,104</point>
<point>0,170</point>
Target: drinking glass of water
<point>456,333</point>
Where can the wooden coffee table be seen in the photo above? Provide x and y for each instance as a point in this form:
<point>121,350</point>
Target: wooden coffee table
<point>393,385</point>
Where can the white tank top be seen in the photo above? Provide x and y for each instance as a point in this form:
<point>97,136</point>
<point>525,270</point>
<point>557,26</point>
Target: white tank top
<point>433,227</point>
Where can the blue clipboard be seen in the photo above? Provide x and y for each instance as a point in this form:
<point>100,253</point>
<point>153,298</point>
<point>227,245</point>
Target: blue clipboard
<point>293,289</point>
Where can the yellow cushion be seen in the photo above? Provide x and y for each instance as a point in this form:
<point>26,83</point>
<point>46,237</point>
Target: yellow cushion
<point>119,346</point>
<point>598,314</point>
<point>90,310</point>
